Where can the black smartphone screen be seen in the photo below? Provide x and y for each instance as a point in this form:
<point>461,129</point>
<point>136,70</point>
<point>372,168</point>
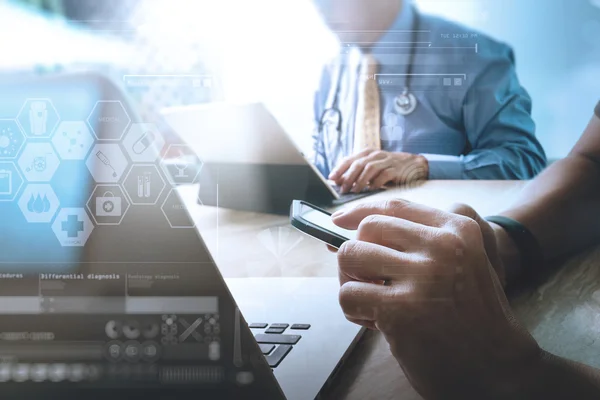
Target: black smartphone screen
<point>318,223</point>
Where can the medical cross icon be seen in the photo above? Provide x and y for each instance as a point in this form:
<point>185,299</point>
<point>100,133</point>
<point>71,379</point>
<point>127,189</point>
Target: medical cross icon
<point>72,226</point>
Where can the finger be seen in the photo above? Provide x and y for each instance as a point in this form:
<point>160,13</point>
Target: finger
<point>338,171</point>
<point>369,262</point>
<point>385,176</point>
<point>363,322</point>
<point>371,171</point>
<point>350,218</point>
<point>367,301</point>
<point>362,301</point>
<point>332,249</point>
<point>349,178</point>
<point>396,233</point>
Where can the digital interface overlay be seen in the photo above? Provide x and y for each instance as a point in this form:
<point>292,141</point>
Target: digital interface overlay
<point>104,282</point>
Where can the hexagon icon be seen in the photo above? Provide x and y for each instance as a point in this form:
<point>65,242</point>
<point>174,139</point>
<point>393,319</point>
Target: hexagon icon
<point>11,181</point>
<point>12,138</point>
<point>108,204</point>
<point>38,162</point>
<point>107,163</point>
<point>72,227</point>
<point>72,140</point>
<point>180,164</point>
<point>144,184</point>
<point>39,203</point>
<point>108,120</point>
<point>38,118</point>
<point>176,212</point>
<point>143,143</point>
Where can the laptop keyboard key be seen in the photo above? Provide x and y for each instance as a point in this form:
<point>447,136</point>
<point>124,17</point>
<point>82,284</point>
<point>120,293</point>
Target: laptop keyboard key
<point>303,327</point>
<point>275,330</point>
<point>266,348</point>
<point>258,325</point>
<point>283,326</point>
<point>279,354</point>
<point>277,339</point>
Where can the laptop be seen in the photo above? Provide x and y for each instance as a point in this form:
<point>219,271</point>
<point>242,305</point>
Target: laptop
<point>249,161</point>
<point>108,291</point>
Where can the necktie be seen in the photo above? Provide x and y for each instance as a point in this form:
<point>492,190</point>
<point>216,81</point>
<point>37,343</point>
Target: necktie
<point>368,113</point>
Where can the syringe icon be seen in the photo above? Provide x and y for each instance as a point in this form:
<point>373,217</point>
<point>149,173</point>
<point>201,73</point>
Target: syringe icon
<point>105,160</point>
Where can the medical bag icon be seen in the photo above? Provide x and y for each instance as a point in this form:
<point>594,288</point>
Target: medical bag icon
<point>108,205</point>
<point>5,182</point>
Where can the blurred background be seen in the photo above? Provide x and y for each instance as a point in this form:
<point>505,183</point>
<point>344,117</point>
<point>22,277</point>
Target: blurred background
<point>273,51</point>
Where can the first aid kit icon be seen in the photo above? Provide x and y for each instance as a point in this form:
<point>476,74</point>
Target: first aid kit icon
<point>108,205</point>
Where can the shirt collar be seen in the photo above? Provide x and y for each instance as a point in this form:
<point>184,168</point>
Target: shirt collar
<point>404,22</point>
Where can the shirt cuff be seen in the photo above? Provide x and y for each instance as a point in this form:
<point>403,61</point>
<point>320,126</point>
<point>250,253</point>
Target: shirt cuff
<point>444,166</point>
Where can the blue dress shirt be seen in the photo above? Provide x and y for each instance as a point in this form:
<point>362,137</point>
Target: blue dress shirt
<point>473,118</point>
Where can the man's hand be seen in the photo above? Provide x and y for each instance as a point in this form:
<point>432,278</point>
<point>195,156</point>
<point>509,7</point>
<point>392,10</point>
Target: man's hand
<point>444,312</point>
<point>375,168</point>
<point>494,240</point>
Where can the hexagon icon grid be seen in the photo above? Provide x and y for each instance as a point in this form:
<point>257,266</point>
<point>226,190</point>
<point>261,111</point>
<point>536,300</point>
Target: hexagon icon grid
<point>144,184</point>
<point>176,213</point>
<point>108,120</point>
<point>39,203</point>
<point>38,162</point>
<point>180,164</point>
<point>11,181</point>
<point>72,140</point>
<point>12,138</point>
<point>108,204</point>
<point>72,227</point>
<point>38,118</point>
<point>143,143</point>
<point>107,163</point>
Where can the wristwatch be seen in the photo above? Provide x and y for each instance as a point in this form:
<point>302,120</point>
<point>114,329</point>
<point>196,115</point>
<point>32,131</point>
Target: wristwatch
<point>532,258</point>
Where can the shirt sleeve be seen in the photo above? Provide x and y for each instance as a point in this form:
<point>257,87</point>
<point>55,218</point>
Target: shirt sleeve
<point>497,120</point>
<point>597,110</point>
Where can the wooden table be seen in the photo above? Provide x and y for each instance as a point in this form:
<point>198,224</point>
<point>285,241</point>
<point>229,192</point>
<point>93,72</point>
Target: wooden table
<point>563,314</point>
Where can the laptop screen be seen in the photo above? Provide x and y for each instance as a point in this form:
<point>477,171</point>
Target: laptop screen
<point>104,282</point>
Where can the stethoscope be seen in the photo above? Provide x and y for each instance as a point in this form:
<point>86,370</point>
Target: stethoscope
<point>404,104</point>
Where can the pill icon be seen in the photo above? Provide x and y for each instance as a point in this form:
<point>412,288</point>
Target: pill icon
<point>143,143</point>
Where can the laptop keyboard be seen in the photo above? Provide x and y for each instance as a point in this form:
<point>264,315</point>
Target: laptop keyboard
<point>274,343</point>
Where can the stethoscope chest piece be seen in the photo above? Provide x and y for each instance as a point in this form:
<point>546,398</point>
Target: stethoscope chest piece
<point>405,104</point>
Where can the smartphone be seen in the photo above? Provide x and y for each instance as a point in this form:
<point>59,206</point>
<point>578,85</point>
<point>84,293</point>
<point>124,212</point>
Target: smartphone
<point>317,223</point>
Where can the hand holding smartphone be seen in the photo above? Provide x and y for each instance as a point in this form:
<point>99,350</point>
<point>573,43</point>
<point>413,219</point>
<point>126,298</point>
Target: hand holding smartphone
<point>317,223</point>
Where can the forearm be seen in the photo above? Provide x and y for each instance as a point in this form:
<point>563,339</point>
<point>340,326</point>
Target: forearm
<point>553,377</point>
<point>561,206</point>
